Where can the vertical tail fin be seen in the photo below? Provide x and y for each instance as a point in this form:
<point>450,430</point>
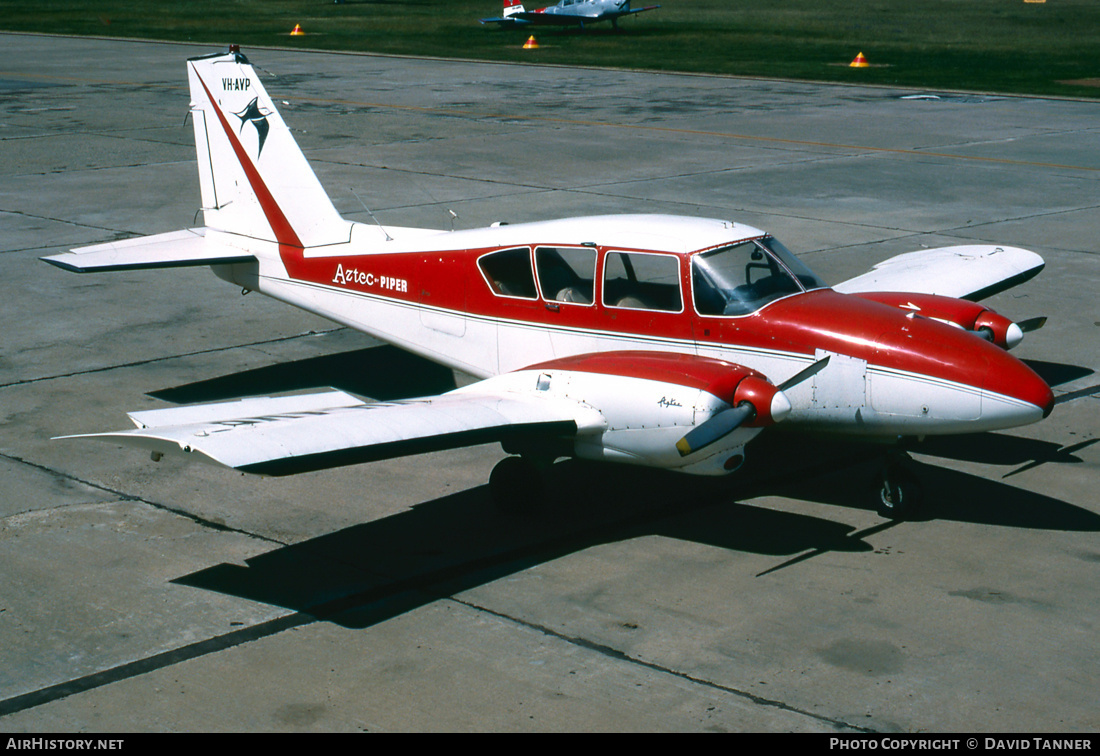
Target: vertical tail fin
<point>255,180</point>
<point>512,6</point>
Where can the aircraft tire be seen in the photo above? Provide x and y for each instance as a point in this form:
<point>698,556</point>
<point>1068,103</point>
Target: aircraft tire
<point>899,492</point>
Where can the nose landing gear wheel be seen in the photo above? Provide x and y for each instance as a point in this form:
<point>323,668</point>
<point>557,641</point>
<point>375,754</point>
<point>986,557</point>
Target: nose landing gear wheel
<point>899,492</point>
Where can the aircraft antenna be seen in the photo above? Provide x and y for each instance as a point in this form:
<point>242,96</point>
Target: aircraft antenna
<point>364,204</point>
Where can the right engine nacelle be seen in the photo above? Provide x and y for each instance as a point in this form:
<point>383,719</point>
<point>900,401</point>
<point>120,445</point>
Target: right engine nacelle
<point>970,316</point>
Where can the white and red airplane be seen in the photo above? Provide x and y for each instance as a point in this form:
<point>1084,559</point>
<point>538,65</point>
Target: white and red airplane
<point>576,13</point>
<point>653,340</point>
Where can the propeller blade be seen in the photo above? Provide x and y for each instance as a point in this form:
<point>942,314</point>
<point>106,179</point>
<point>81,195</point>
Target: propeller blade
<point>1032,324</point>
<point>715,429</point>
<point>803,374</point>
<point>727,421</point>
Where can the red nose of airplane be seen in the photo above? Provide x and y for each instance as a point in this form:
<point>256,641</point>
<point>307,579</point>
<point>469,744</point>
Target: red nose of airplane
<point>1009,377</point>
<point>1012,394</point>
<point>921,373</point>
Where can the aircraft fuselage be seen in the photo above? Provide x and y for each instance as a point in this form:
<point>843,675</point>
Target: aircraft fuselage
<point>497,300</point>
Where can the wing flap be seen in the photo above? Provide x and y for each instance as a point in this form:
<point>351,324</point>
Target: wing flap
<point>175,249</point>
<point>971,272</point>
<point>286,435</point>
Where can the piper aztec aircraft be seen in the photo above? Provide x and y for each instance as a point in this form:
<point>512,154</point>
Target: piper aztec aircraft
<point>655,340</point>
<point>566,13</point>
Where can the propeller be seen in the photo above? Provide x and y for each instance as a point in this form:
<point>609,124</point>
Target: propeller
<point>805,373</point>
<point>716,428</point>
<point>1032,324</point>
<point>1016,331</point>
<point>1013,332</point>
<point>727,421</point>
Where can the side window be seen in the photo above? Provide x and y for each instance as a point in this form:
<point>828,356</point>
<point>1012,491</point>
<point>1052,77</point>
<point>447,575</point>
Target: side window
<point>642,281</point>
<point>566,273</point>
<point>509,273</point>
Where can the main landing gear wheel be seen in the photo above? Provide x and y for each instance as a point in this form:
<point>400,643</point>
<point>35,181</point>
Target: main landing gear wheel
<point>899,491</point>
<point>516,485</point>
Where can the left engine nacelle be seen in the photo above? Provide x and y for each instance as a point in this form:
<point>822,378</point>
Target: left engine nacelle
<point>650,401</point>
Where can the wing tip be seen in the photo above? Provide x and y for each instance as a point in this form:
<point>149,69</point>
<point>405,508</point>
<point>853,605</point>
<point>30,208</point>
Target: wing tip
<point>59,261</point>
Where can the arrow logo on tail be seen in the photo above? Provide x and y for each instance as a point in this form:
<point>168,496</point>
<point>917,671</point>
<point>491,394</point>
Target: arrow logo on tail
<point>252,114</point>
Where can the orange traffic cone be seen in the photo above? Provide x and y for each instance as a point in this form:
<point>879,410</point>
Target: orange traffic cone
<point>531,44</point>
<point>859,62</point>
<point>296,31</point>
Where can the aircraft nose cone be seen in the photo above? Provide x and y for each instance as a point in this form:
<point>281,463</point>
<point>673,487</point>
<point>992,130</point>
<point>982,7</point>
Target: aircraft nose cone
<point>1015,389</point>
<point>1048,407</point>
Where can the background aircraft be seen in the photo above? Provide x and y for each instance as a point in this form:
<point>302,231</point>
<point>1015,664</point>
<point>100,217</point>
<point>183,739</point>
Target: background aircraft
<point>566,13</point>
<point>655,340</point>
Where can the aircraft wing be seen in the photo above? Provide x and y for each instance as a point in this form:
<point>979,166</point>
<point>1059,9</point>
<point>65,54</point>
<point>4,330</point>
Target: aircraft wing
<point>503,21</point>
<point>293,434</point>
<point>175,249</point>
<point>971,272</point>
<point>642,10</point>
<point>671,410</point>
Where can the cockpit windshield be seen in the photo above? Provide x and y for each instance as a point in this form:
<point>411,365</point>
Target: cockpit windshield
<point>742,278</point>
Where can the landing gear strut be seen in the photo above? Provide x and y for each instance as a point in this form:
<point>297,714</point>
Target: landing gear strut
<point>898,490</point>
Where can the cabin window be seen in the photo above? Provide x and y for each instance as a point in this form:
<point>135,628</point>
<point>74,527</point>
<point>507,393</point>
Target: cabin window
<point>642,281</point>
<point>566,274</point>
<point>508,272</point>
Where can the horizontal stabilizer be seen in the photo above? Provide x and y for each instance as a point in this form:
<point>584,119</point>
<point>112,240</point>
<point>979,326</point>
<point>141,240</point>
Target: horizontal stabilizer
<point>971,272</point>
<point>293,434</point>
<point>176,249</point>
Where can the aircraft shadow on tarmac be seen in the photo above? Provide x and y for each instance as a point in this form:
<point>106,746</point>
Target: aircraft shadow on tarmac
<point>373,571</point>
<point>1057,373</point>
<point>377,570</point>
<point>383,373</point>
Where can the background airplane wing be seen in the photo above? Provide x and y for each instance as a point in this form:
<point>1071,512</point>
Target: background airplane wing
<point>502,21</point>
<point>967,272</point>
<point>293,434</point>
